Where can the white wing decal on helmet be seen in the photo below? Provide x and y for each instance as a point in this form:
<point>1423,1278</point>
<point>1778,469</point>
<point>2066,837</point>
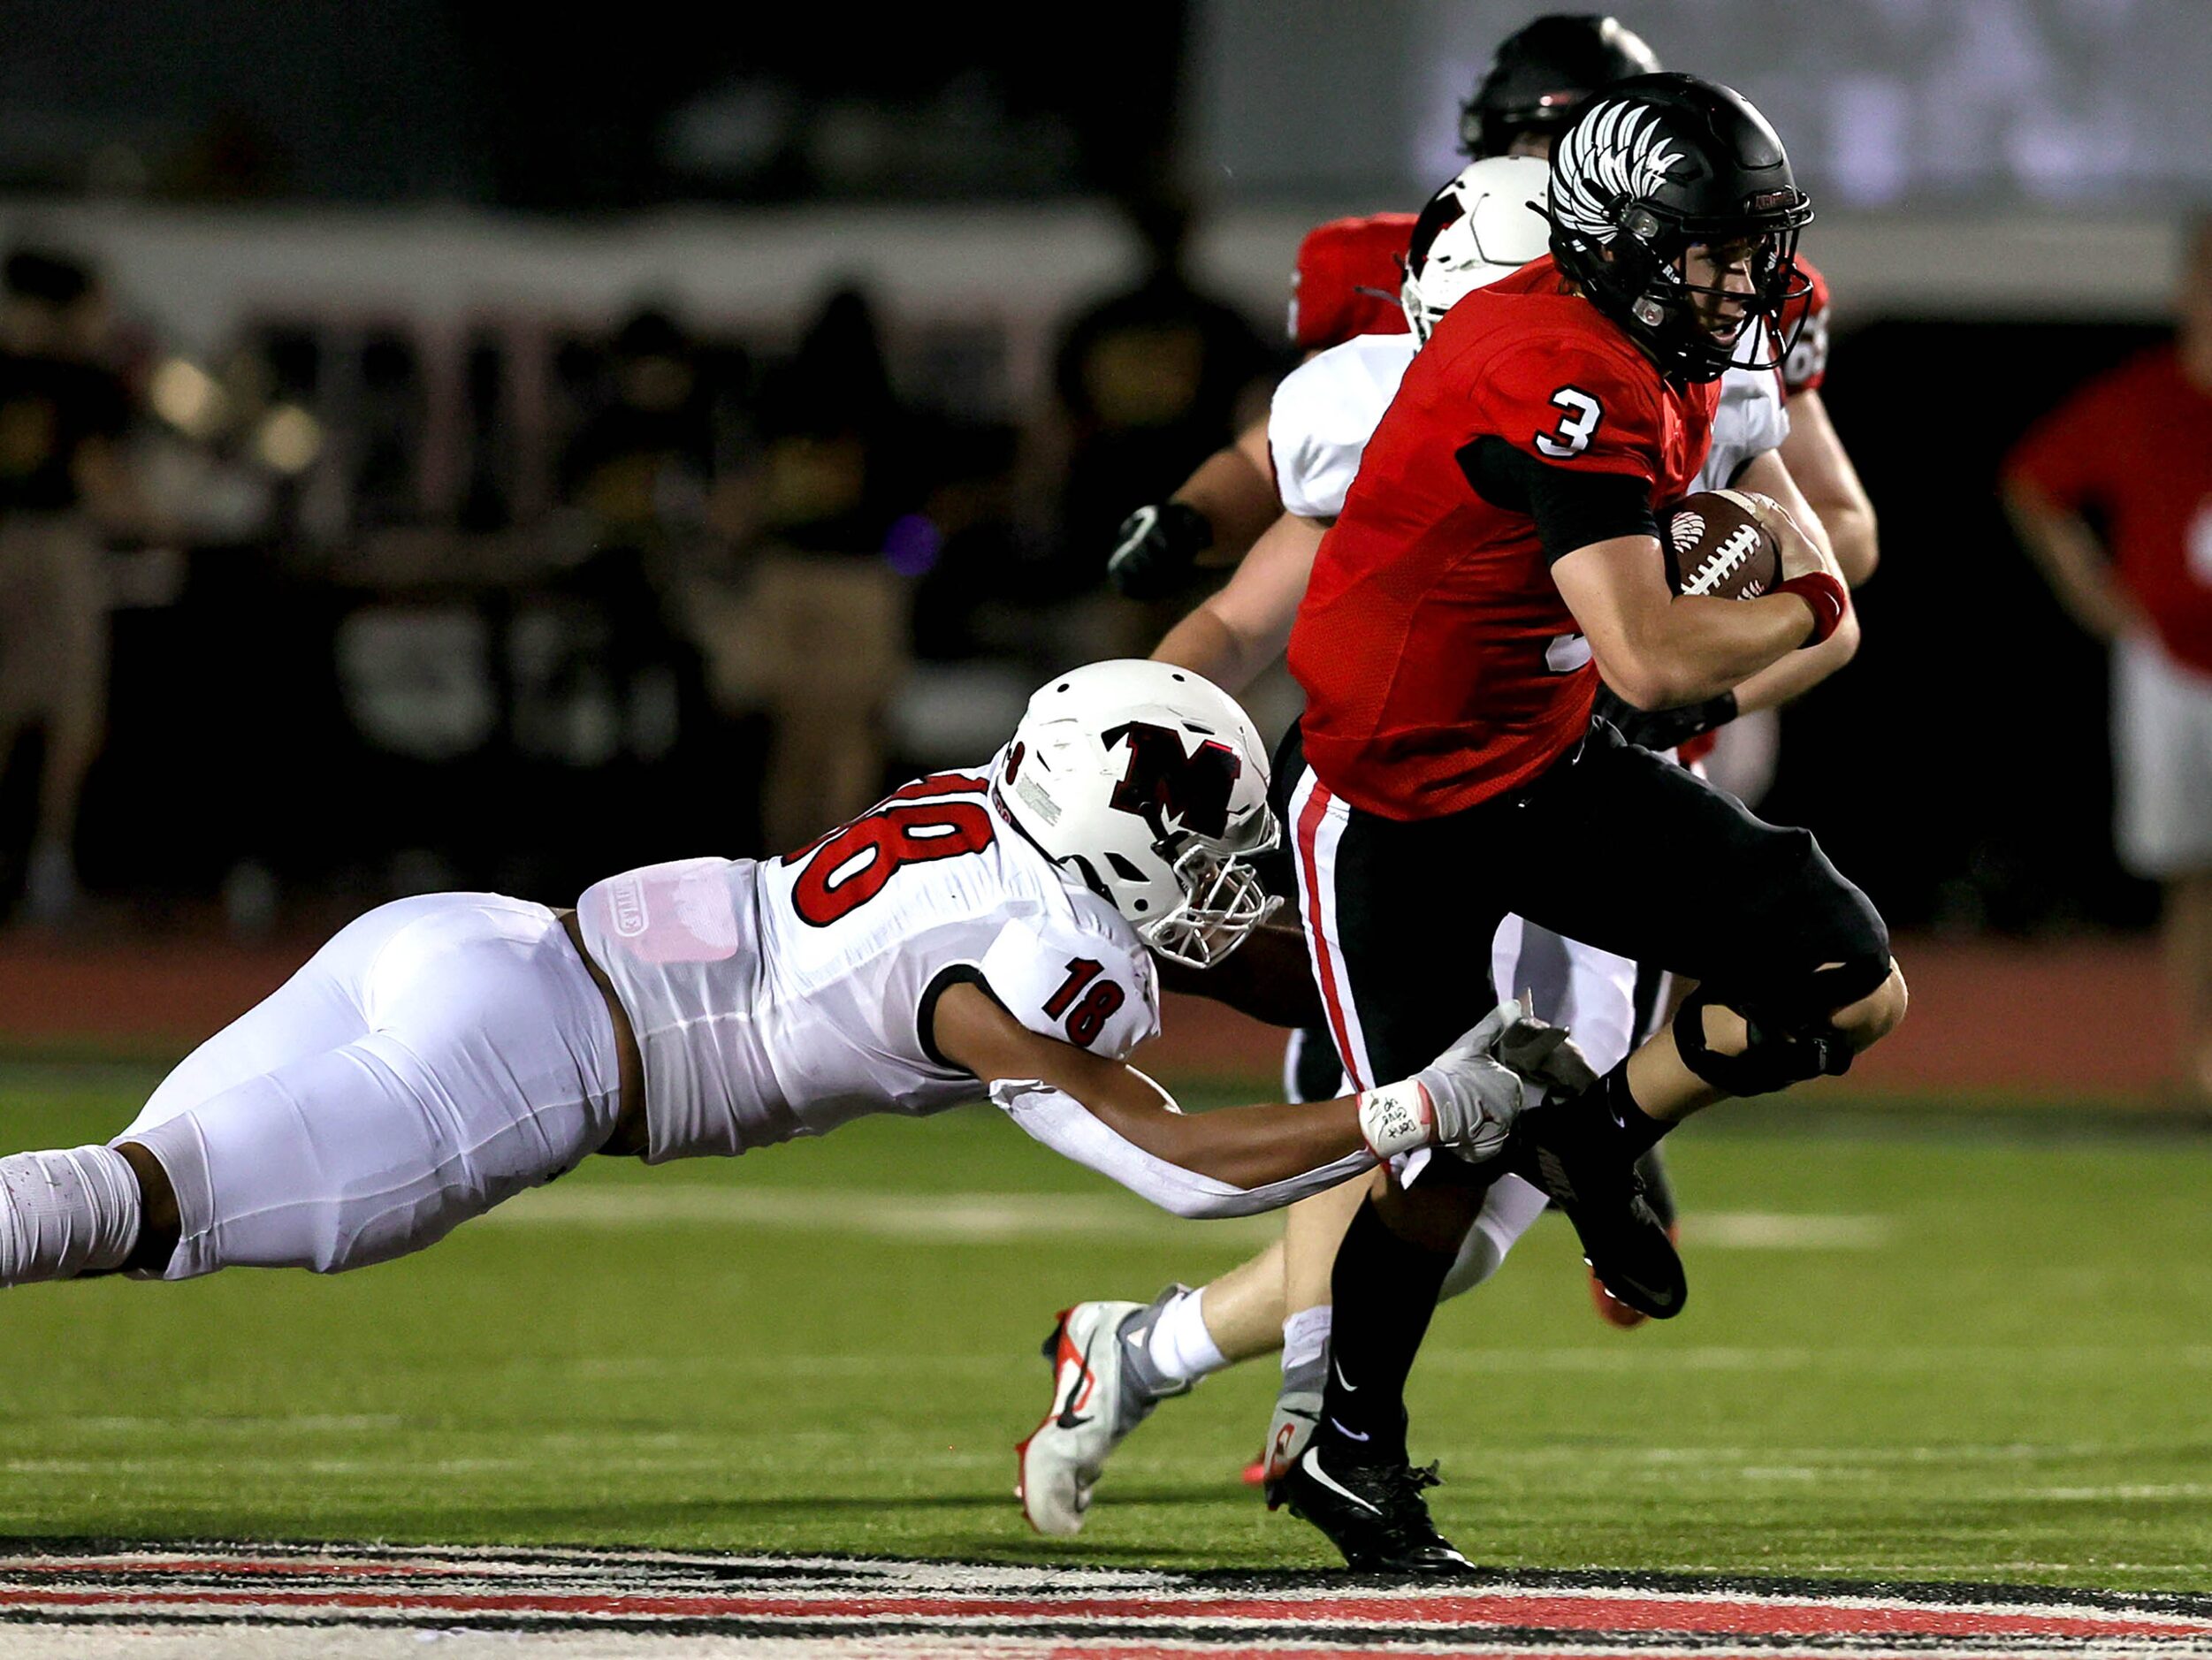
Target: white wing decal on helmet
<point>1611,156</point>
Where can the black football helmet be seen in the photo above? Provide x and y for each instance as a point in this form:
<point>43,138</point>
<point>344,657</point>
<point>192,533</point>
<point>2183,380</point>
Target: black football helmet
<point>1652,167</point>
<point>1542,75</point>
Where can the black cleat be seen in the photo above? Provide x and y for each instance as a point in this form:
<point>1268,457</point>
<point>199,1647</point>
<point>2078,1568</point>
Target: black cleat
<point>1659,1187</point>
<point>1372,1512</point>
<point>1624,1239</point>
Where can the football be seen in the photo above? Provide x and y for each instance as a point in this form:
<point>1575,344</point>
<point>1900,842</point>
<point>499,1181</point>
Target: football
<point>1716,548</point>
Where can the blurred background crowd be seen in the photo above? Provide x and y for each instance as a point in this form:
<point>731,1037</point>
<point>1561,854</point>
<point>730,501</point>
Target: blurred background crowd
<point>442,447</point>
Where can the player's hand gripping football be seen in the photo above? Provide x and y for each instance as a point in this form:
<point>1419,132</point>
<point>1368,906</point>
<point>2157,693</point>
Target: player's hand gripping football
<point>1808,569</point>
<point>1468,1097</point>
<point>1801,555</point>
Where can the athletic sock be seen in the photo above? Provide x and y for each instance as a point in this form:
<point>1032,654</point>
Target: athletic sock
<point>1306,1348</point>
<point>1607,1111</point>
<point>1384,1290</point>
<point>1143,1379</point>
<point>65,1212</point>
<point>1180,1349</point>
<point>1642,1131</point>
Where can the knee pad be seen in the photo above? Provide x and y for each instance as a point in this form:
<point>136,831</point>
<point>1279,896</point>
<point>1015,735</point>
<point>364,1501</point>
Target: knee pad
<point>1775,1057</point>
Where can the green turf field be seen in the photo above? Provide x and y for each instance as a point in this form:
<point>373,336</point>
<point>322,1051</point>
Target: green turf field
<point>1923,1352</point>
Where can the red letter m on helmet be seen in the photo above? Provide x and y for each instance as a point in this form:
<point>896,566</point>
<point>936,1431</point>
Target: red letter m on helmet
<point>1171,790</point>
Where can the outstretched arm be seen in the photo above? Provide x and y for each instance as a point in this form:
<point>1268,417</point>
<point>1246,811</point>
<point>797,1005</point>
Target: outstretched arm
<point>1237,1149</point>
<point>1238,1160</point>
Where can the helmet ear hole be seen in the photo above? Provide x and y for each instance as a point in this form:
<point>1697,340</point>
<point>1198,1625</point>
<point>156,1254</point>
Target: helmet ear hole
<point>1127,869</point>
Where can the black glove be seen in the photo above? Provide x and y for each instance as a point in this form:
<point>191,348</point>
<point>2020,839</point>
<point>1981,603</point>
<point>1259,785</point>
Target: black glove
<point>1158,549</point>
<point>1663,728</point>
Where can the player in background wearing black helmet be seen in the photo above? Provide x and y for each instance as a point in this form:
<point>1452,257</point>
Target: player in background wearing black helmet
<point>1542,75</point>
<point>1497,552</point>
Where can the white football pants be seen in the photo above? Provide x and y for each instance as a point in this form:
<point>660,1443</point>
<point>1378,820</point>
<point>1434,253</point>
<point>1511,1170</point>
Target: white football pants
<point>438,1056</point>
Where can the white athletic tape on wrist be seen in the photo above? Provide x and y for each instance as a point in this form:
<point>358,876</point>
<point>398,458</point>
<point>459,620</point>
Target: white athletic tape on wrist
<point>1397,1119</point>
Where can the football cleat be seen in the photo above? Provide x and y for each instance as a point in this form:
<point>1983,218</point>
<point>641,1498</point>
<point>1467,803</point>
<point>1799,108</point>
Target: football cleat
<point>1658,1192</point>
<point>1374,1513</point>
<point>1296,1412</point>
<point>1627,1245</point>
<point>1098,1398</point>
<point>1610,1309</point>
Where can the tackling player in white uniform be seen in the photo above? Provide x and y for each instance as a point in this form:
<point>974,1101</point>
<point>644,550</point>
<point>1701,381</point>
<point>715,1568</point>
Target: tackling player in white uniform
<point>1478,228</point>
<point>980,933</point>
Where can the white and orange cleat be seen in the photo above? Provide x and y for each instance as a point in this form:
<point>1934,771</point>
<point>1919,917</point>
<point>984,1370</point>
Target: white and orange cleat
<point>1103,1388</point>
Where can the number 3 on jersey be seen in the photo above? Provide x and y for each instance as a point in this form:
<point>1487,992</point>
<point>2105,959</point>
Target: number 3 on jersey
<point>1576,427</point>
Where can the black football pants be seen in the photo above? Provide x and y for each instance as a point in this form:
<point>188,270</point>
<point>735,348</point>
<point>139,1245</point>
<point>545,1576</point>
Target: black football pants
<point>1612,845</point>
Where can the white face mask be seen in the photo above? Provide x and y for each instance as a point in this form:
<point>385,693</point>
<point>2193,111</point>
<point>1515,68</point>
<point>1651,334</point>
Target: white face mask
<point>1223,901</point>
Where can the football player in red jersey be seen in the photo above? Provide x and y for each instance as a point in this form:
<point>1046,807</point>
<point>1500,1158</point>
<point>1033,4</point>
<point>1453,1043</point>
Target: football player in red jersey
<point>1497,552</point>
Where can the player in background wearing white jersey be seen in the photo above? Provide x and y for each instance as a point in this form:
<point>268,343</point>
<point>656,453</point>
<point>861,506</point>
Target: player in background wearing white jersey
<point>1478,229</point>
<point>979,932</point>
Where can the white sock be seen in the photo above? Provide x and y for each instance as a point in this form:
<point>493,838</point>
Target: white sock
<point>65,1213</point>
<point>1182,1349</point>
<point>1306,1338</point>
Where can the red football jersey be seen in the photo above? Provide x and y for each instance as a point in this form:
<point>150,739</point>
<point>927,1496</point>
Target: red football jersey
<point>1441,667</point>
<point>1346,280</point>
<point>1807,365</point>
<point>2137,443</point>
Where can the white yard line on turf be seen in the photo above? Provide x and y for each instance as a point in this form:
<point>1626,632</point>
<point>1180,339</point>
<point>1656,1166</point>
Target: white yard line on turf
<point>988,1217</point>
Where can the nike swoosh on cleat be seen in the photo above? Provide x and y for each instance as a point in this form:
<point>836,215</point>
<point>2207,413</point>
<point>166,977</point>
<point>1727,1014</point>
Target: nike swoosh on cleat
<point>1349,1435</point>
<point>1311,1465</point>
<point>1067,1420</point>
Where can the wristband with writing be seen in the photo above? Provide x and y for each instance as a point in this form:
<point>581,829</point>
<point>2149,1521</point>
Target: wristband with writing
<point>1397,1119</point>
<point>1828,598</point>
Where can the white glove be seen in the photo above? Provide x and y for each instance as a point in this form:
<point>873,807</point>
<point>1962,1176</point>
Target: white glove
<point>1468,1097</point>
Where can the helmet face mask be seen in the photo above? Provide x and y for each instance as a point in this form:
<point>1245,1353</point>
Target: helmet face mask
<point>1147,784</point>
<point>1223,901</point>
<point>1662,169</point>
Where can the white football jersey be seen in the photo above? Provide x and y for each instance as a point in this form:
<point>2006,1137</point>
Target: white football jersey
<point>785,997</point>
<point>1750,422</point>
<point>1324,412</point>
<point>1328,408</point>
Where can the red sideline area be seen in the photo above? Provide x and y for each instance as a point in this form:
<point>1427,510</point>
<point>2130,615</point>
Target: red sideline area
<point>2082,1019</point>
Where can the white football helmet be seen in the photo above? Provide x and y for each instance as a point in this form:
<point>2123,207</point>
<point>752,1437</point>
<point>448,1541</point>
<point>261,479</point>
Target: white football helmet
<point>1474,231</point>
<point>1148,784</point>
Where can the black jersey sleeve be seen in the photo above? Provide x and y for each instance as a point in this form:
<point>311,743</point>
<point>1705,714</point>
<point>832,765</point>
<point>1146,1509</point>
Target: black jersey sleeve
<point>1572,508</point>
